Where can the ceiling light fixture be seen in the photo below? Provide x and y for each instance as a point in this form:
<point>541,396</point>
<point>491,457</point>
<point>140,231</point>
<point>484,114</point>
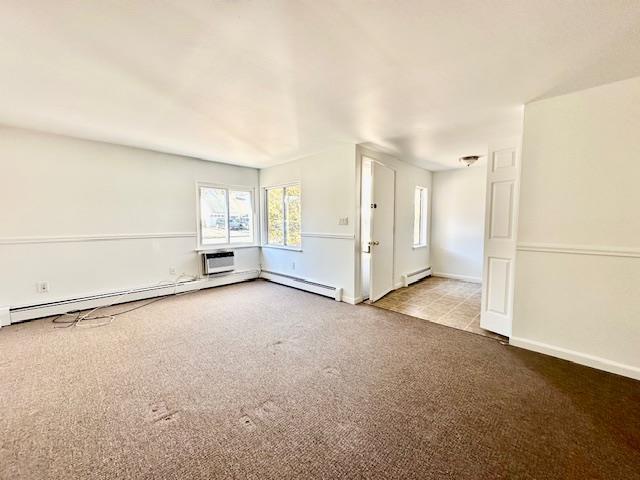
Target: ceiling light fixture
<point>469,159</point>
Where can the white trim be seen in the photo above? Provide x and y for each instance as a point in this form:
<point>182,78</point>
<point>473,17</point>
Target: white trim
<point>282,247</point>
<point>303,284</point>
<point>577,357</point>
<point>328,235</point>
<point>281,185</point>
<point>607,251</point>
<point>5,316</point>
<point>93,238</point>
<point>352,300</point>
<point>27,312</point>
<point>454,276</point>
<point>225,247</point>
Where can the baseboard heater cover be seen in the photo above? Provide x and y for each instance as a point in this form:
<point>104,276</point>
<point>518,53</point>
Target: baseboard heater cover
<point>28,312</point>
<point>302,284</point>
<point>409,278</point>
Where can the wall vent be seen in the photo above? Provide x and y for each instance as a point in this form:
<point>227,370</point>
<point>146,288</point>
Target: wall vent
<point>217,262</point>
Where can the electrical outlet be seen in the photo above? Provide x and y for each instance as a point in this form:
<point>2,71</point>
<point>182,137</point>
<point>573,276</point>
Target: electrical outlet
<point>172,270</point>
<point>343,221</point>
<point>43,287</point>
<point>293,265</point>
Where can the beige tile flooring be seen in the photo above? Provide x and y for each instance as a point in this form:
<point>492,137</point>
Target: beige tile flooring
<point>448,302</point>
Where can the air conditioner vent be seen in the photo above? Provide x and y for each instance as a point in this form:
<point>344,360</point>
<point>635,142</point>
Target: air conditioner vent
<point>218,262</point>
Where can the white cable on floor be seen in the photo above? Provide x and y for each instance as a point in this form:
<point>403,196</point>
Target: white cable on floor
<point>80,318</point>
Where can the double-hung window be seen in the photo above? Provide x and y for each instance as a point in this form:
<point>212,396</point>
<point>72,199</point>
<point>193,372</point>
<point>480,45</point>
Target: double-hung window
<point>420,205</point>
<point>283,216</point>
<point>226,215</point>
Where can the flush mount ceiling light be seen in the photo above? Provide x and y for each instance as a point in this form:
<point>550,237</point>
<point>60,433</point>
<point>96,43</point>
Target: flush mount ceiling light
<point>469,159</point>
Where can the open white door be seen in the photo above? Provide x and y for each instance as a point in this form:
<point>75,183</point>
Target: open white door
<point>503,182</point>
<point>383,192</point>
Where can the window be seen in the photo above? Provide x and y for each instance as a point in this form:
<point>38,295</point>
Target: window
<point>226,215</point>
<point>420,217</point>
<point>283,216</point>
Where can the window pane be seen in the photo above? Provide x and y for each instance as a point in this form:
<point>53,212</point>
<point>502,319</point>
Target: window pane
<point>213,215</point>
<point>240,217</point>
<point>424,209</point>
<point>275,216</point>
<point>417,214</point>
<point>292,195</point>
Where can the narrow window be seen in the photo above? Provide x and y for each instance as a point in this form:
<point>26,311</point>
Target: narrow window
<point>240,216</point>
<point>213,216</point>
<point>283,222</point>
<point>420,217</point>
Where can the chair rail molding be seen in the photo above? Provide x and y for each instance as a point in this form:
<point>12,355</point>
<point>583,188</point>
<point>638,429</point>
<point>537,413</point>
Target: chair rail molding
<point>572,249</point>
<point>339,236</point>
<point>93,238</point>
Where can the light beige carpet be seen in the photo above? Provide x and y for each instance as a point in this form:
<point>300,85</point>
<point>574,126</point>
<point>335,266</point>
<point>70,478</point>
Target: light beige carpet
<point>262,381</point>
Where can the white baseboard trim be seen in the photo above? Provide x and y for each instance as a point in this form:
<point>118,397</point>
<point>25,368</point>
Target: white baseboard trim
<point>352,300</point>
<point>455,276</point>
<point>577,357</point>
<point>5,316</point>
<point>303,284</point>
<point>29,312</point>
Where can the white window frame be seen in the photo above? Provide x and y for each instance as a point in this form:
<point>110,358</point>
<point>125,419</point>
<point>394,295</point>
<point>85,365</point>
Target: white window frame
<point>217,246</point>
<point>265,218</point>
<point>424,216</point>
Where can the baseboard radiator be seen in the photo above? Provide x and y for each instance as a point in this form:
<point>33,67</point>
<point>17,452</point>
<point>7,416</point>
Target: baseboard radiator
<point>28,312</point>
<point>409,278</point>
<point>302,284</point>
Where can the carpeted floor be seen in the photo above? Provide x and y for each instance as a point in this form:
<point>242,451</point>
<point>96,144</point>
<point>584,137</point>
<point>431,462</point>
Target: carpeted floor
<point>262,381</point>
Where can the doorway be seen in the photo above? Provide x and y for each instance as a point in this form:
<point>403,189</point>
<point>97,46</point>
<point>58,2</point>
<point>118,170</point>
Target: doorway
<point>472,268</point>
<point>377,228</point>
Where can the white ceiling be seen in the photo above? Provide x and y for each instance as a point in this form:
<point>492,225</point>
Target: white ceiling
<point>259,82</point>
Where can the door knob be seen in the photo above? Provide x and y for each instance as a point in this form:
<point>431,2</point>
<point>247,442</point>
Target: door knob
<point>375,242</point>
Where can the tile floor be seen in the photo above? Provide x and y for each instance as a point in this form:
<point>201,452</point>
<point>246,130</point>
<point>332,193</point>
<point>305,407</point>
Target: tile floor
<point>448,302</point>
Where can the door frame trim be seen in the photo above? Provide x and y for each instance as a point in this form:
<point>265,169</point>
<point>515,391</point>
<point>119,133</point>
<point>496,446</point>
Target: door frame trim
<point>383,159</point>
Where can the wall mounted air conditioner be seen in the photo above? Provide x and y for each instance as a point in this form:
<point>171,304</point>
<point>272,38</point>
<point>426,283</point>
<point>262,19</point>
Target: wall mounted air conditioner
<point>217,262</point>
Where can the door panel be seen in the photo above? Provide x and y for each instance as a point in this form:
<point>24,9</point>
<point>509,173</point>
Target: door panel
<point>498,285</point>
<point>382,229</point>
<point>503,179</point>
<point>501,209</point>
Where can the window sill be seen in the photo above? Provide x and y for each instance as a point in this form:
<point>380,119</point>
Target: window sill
<point>283,247</point>
<point>226,247</point>
<point>416,247</point>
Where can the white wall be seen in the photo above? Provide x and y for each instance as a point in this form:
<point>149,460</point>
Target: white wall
<point>55,186</point>
<point>577,291</point>
<point>458,208</point>
<point>408,177</point>
<point>328,182</point>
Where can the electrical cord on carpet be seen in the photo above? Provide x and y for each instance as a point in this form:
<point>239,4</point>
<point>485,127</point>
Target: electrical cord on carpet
<point>86,320</point>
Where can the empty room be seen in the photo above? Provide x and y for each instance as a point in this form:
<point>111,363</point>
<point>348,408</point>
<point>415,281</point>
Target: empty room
<point>341,239</point>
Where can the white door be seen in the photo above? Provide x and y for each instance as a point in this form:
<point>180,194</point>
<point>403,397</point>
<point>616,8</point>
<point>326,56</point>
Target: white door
<point>383,192</point>
<point>503,179</point>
